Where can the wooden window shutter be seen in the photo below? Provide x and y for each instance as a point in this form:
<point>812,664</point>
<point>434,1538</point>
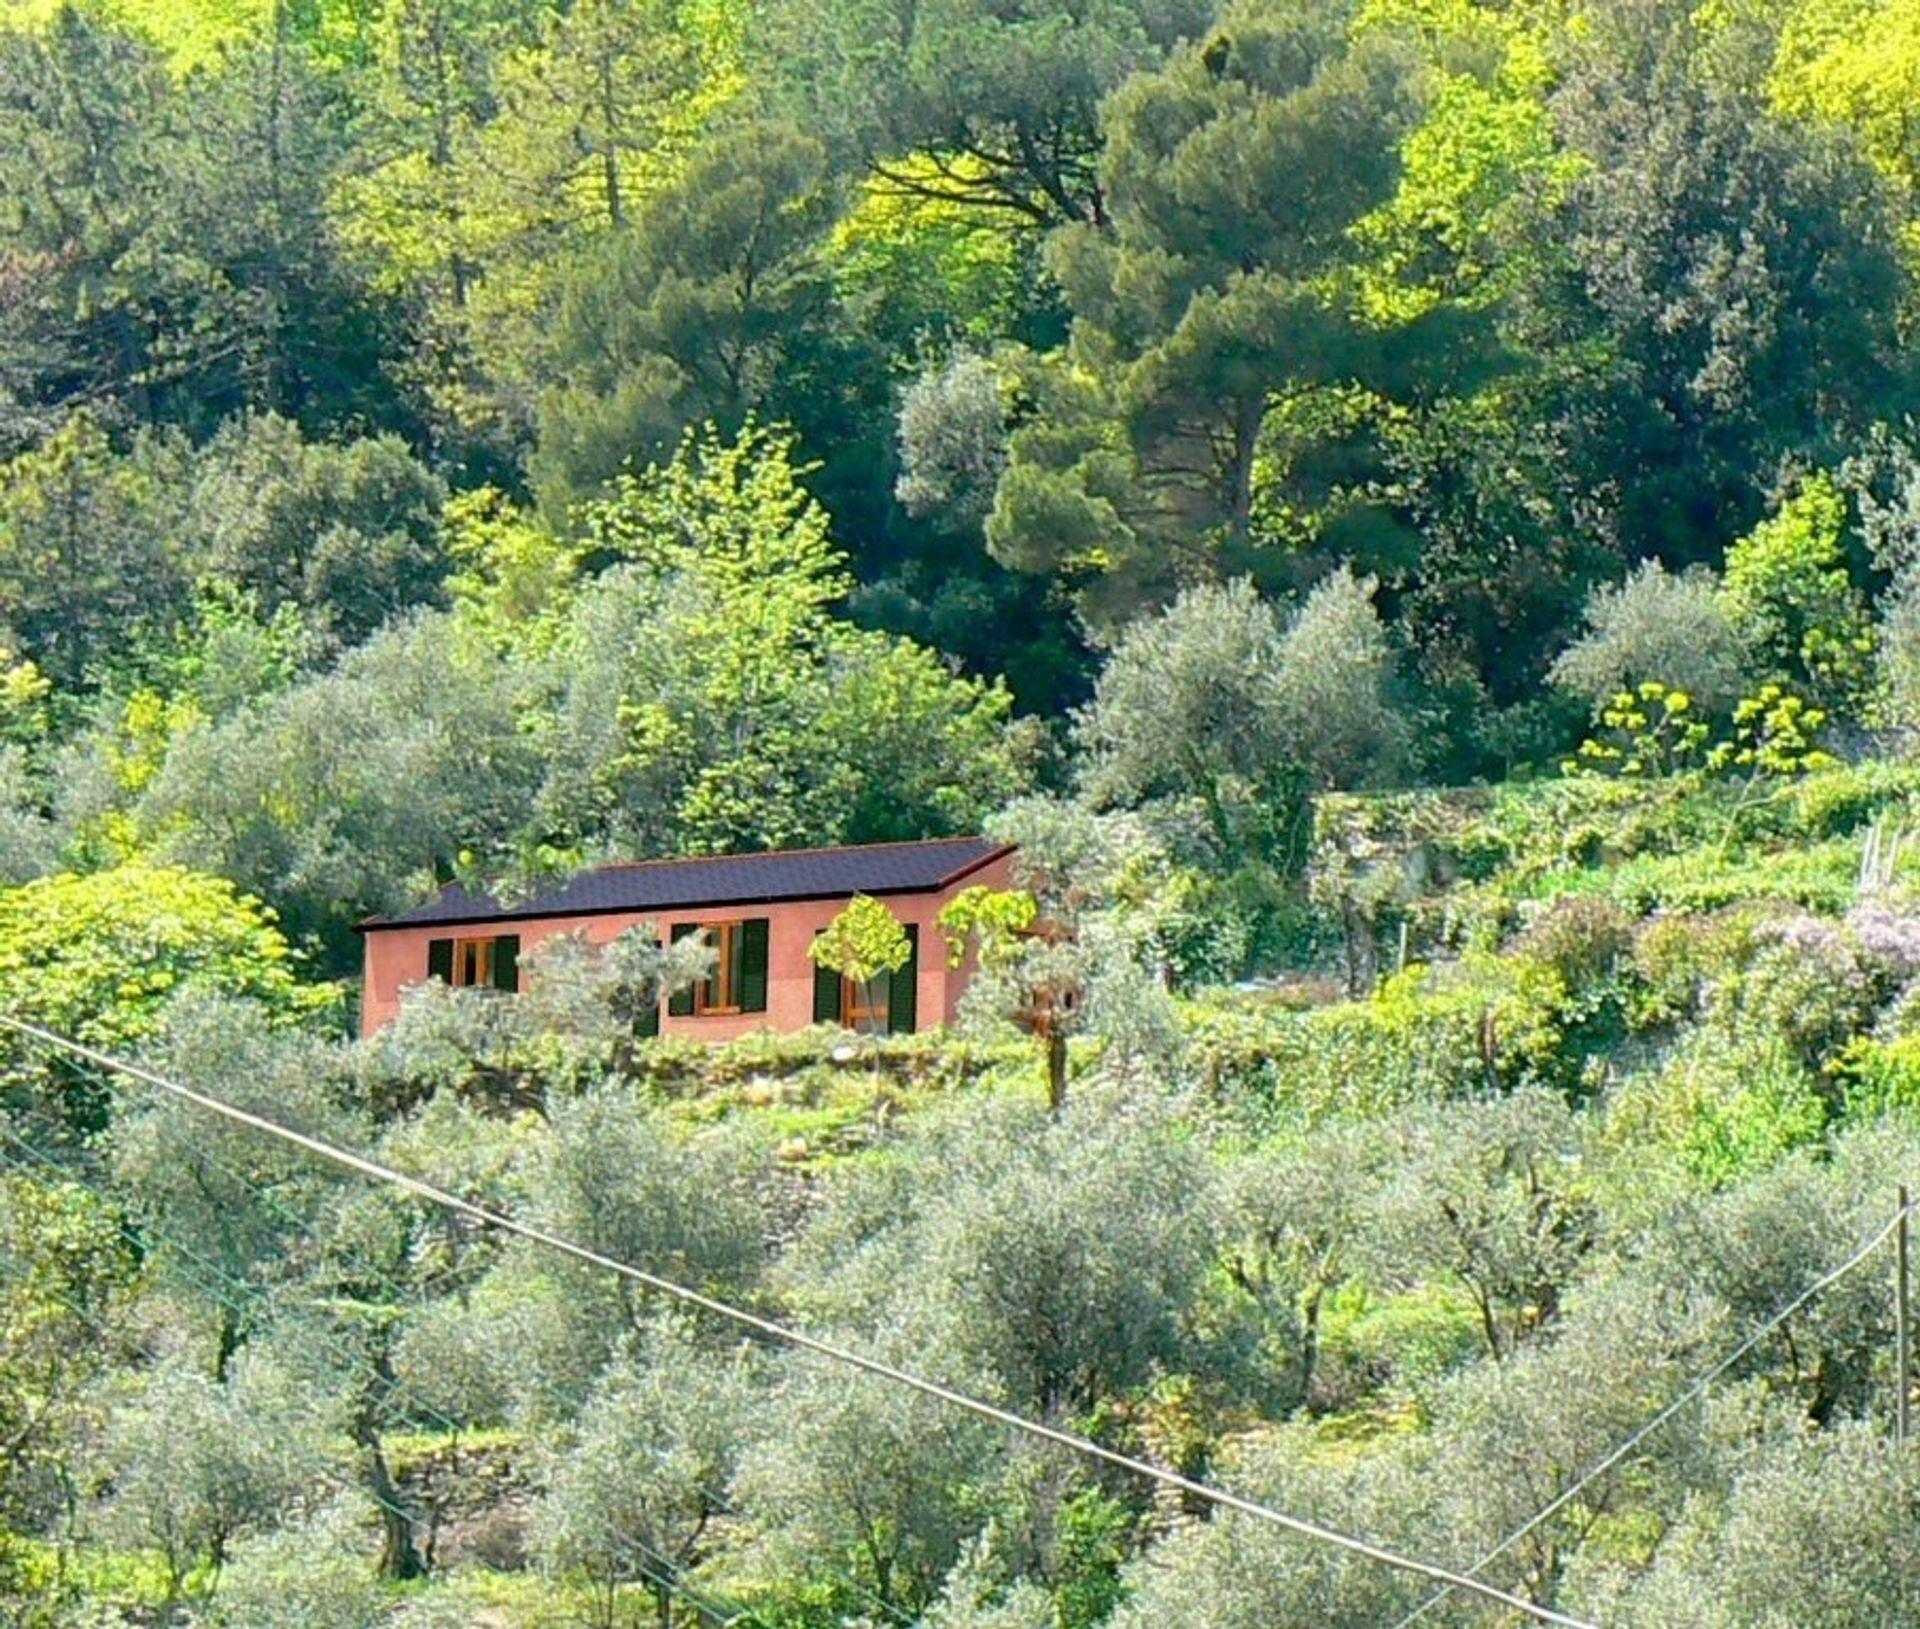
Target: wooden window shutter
<point>752,993</point>
<point>826,994</point>
<point>506,962</point>
<point>680,1003</point>
<point>903,988</point>
<point>440,960</point>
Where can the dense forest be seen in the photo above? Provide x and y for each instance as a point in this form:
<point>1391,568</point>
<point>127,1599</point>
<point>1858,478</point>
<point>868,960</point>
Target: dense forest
<point>1406,511</point>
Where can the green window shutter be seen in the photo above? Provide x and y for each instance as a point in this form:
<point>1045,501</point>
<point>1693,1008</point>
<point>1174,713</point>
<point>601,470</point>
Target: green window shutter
<point>506,962</point>
<point>440,960</point>
<point>826,995</point>
<point>752,979</point>
<point>680,1003</point>
<point>903,993</point>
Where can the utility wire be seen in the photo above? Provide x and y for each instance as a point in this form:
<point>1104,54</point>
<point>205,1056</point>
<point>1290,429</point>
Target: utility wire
<point>1600,1467</point>
<point>788,1336</point>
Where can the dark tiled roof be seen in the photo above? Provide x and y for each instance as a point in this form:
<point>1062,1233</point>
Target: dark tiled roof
<point>730,879</point>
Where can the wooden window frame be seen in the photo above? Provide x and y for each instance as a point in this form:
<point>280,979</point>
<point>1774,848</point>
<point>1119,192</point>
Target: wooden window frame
<point>724,939</point>
<point>878,1005</point>
<point>473,963</point>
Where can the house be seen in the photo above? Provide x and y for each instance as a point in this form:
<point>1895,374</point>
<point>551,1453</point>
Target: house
<point>758,912</point>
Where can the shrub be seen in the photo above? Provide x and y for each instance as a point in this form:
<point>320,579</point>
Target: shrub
<point>1677,961</point>
<point>1809,985</point>
<point>1789,593</point>
<point>1877,1078</point>
<point>1656,626</point>
<point>1586,941</point>
<point>1427,1034</point>
<point>1720,1110</point>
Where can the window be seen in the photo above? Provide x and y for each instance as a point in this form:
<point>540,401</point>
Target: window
<point>719,991</point>
<point>484,963</point>
<point>472,962</point>
<point>887,1005</point>
<point>865,1004</point>
<point>737,981</point>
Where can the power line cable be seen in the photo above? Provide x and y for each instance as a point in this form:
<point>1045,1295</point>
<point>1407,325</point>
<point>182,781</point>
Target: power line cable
<point>788,1336</point>
<point>1600,1467</point>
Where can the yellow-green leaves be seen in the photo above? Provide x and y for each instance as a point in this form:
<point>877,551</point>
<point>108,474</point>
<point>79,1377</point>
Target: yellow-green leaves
<point>1788,587</point>
<point>1650,730</point>
<point>98,957</point>
<point>862,942</point>
<point>989,920</point>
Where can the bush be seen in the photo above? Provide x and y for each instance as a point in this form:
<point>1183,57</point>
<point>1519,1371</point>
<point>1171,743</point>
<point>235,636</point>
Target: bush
<point>1720,1110</point>
<point>1656,626</point>
<point>1877,1078</point>
<point>1679,959</point>
<point>1586,941</point>
<point>1426,1035</point>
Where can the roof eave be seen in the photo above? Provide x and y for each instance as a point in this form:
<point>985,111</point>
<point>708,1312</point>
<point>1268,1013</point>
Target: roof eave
<point>376,924</point>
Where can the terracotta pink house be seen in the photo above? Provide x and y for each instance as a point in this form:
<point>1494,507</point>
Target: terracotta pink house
<point>758,913</point>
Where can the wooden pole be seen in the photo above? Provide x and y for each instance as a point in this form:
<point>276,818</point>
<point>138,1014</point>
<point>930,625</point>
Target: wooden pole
<point>1902,1342</point>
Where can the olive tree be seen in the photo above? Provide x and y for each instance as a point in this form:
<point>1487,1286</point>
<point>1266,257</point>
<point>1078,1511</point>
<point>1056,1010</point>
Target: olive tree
<point>953,443</point>
<point>1234,1572</point>
<point>1488,1196</point>
<point>871,1482</point>
<point>309,1574</point>
<point>1056,1260</point>
<point>192,1463</point>
<point>635,1491</point>
<point>1820,1529</point>
<point>1296,1223</point>
<point>1661,626</point>
<point>1076,946</point>
<point>225,1209</point>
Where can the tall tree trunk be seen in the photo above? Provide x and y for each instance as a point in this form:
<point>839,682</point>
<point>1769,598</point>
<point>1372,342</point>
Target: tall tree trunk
<point>399,1557</point>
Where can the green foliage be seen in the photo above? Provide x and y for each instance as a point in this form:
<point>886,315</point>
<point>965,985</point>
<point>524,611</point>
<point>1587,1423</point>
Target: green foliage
<point>1228,236</point>
<point>1811,1529</point>
<point>952,442</point>
<point>1092,1544</point>
<point>1652,730</point>
<point>1879,1078</point>
<point>1379,384</point>
<point>632,1497</point>
<point>196,1463</point>
<point>1424,1036</point>
<point>312,1574</point>
<point>1656,627</point>
<point>1774,733</point>
<point>1003,102</point>
<point>1217,719</point>
<point>83,566</point>
<point>863,941</point>
<point>353,790</point>
<point>710,702</point>
<point>349,535</point>
<point>68,1270</point>
<point>691,316</point>
<point>99,957</point>
<point>1722,1110</point>
<point>1788,587</point>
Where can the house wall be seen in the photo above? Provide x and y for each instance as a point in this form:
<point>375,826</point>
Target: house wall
<point>397,957</point>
